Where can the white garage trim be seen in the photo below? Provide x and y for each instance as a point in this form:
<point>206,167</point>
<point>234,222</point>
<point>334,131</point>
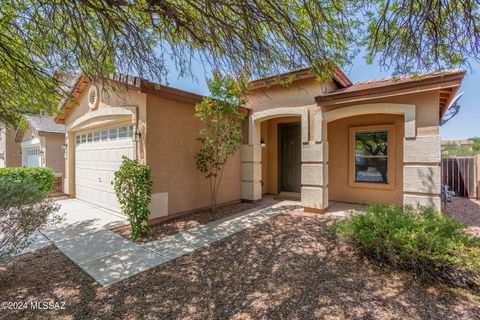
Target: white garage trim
<point>106,114</point>
<point>98,154</point>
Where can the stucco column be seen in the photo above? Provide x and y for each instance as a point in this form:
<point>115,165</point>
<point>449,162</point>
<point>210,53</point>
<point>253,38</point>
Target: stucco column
<point>69,180</point>
<point>314,192</point>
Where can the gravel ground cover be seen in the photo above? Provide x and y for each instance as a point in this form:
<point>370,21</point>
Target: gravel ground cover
<point>467,211</point>
<point>188,221</point>
<point>290,267</point>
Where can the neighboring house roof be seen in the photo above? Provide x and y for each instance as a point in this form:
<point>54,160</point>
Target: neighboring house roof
<point>458,142</point>
<point>338,77</point>
<point>447,81</point>
<point>44,124</point>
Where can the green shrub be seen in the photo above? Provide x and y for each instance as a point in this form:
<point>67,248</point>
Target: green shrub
<point>432,245</point>
<point>133,188</point>
<point>43,178</point>
<point>23,209</point>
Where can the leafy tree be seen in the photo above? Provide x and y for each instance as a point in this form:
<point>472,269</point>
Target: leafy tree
<point>222,132</point>
<point>133,187</point>
<point>24,208</point>
<point>476,144</point>
<point>42,41</point>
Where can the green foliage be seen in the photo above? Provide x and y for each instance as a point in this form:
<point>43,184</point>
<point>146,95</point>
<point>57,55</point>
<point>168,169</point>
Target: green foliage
<point>43,178</point>
<point>222,132</point>
<point>408,36</point>
<point>45,42</point>
<point>133,187</point>
<point>453,149</point>
<point>432,245</point>
<point>476,144</point>
<point>42,40</point>
<point>23,209</point>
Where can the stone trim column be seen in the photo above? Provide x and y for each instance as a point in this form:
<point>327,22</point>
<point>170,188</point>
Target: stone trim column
<point>421,171</point>
<point>315,168</point>
<point>314,192</point>
<point>251,172</point>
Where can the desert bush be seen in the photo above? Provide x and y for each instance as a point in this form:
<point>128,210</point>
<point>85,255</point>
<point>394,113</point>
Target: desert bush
<point>43,178</point>
<point>133,187</point>
<point>24,208</point>
<point>432,245</point>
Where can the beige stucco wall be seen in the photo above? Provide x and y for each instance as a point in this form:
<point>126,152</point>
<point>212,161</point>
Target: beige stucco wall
<point>53,152</point>
<point>426,111</point>
<point>300,93</point>
<point>269,134</point>
<point>12,150</point>
<point>171,147</point>
<point>338,139</point>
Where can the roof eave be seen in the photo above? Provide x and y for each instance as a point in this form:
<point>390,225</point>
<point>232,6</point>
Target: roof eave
<point>338,77</point>
<point>433,83</point>
<point>42,133</point>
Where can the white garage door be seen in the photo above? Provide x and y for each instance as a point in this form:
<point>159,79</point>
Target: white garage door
<point>31,157</point>
<point>98,154</point>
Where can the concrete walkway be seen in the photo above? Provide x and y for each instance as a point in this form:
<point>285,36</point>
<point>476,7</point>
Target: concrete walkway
<point>109,258</point>
<point>79,218</point>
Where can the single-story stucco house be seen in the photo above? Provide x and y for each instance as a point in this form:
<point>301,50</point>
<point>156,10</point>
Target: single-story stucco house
<point>42,144</point>
<point>373,141</point>
<point>39,144</point>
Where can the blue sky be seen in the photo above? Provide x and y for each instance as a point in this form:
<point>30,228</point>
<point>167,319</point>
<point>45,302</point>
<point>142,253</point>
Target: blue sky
<point>466,123</point>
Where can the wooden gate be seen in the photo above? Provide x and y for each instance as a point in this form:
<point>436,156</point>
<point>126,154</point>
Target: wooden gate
<point>459,173</point>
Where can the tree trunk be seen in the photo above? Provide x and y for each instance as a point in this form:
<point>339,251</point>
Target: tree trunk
<point>214,203</point>
<point>213,199</point>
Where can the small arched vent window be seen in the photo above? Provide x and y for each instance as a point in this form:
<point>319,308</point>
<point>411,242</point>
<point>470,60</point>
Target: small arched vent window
<point>93,97</point>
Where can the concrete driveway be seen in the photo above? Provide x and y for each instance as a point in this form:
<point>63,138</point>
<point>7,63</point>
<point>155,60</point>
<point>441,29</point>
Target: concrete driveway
<point>79,219</point>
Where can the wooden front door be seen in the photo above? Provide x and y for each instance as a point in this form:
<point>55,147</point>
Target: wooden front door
<point>290,162</point>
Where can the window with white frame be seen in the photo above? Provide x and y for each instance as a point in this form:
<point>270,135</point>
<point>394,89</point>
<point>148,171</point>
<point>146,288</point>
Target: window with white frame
<point>112,134</point>
<point>122,132</point>
<point>104,134</point>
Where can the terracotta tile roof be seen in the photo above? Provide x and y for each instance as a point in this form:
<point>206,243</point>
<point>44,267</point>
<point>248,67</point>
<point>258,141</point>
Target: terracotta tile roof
<point>391,81</point>
<point>446,82</point>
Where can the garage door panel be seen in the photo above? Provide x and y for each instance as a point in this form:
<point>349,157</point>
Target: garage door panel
<point>95,166</point>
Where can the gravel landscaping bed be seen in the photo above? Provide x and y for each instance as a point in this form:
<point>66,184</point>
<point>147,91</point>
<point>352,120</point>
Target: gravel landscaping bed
<point>467,211</point>
<point>290,267</point>
<point>188,221</point>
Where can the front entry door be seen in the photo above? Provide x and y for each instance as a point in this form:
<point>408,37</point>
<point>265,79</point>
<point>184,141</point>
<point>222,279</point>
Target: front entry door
<point>290,159</point>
